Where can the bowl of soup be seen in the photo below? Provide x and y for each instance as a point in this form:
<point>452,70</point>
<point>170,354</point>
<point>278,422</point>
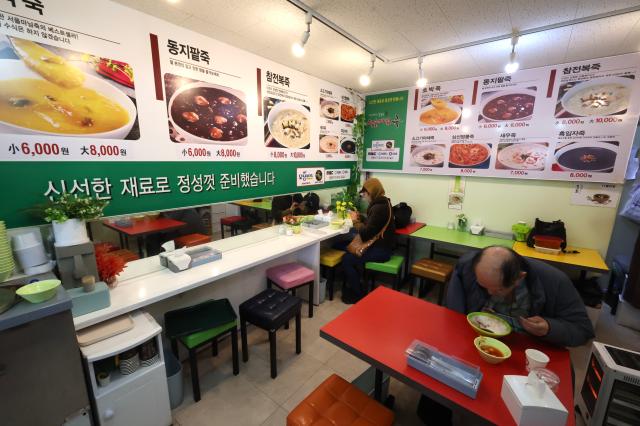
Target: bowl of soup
<point>289,125</point>
<point>492,350</point>
<point>588,157</point>
<point>509,105</point>
<point>598,97</point>
<point>29,104</point>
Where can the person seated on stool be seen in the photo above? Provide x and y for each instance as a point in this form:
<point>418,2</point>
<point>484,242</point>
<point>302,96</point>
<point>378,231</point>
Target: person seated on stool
<point>540,298</point>
<point>283,205</point>
<point>378,214</point>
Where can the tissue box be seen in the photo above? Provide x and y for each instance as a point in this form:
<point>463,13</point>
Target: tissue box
<point>529,409</point>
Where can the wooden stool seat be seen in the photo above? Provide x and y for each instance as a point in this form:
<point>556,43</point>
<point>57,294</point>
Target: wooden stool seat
<point>191,240</point>
<point>338,402</point>
<point>259,226</point>
<point>431,270</point>
<point>126,255</point>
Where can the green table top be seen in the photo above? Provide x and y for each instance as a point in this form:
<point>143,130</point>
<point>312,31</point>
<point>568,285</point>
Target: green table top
<point>465,239</point>
<point>265,204</point>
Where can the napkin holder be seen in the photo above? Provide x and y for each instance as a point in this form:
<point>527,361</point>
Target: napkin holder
<point>531,402</point>
<point>476,229</point>
<point>183,259</point>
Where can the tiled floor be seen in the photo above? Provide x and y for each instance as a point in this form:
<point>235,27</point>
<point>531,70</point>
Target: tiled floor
<point>253,398</point>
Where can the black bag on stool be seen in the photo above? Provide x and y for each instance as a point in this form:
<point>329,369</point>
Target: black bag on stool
<point>550,229</point>
<point>402,213</point>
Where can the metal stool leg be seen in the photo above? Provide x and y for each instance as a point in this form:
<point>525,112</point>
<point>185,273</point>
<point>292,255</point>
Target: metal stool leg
<point>272,351</point>
<point>298,333</point>
<point>243,335</point>
<point>222,230</point>
<point>441,295</point>
<point>234,351</point>
<point>331,277</point>
<point>311,286</point>
<point>214,347</point>
<point>174,348</point>
<point>195,382</point>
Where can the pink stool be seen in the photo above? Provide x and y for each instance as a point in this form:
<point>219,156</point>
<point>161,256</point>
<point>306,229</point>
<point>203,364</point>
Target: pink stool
<point>290,276</point>
<point>230,221</point>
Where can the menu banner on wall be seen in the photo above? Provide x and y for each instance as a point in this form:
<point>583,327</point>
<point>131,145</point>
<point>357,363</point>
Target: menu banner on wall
<point>386,118</point>
<point>572,122</point>
<point>75,92</point>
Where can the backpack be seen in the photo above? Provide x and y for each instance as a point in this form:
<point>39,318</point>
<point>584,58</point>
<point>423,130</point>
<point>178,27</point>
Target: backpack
<point>312,201</point>
<point>402,214</point>
<point>550,229</point>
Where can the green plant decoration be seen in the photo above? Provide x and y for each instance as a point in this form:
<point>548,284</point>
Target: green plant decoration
<point>69,206</point>
<point>462,221</point>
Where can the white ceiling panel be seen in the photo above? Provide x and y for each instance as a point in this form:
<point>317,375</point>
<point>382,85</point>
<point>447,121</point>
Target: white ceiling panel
<point>405,27</point>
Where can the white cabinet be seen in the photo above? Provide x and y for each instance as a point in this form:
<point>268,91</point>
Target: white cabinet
<point>140,398</point>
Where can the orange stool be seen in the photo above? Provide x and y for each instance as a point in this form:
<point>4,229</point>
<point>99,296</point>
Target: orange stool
<point>230,221</point>
<point>191,240</point>
<point>338,402</point>
<point>431,270</point>
<point>125,254</point>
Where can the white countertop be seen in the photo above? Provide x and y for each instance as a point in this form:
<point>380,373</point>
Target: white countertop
<point>238,253</point>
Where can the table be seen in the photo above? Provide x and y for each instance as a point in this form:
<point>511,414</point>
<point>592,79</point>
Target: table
<point>585,260</point>
<point>451,237</point>
<point>381,326</point>
<point>264,205</point>
<point>406,232</point>
<point>142,228</point>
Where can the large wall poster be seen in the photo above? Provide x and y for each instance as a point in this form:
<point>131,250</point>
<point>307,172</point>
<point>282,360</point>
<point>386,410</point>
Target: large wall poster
<point>572,122</point>
<point>153,116</point>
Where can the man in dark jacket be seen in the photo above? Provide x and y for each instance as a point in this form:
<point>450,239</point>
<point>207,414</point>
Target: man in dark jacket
<point>540,298</point>
<point>379,215</point>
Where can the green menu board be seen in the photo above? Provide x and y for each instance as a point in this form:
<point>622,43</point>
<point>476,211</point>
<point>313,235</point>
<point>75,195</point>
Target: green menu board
<point>386,119</point>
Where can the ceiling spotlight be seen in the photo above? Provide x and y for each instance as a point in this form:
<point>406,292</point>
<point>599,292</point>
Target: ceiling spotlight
<point>365,79</point>
<point>298,48</point>
<point>173,1</point>
<point>513,64</point>
<point>421,81</point>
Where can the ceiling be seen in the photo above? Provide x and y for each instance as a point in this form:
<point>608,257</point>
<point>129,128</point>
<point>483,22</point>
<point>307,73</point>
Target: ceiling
<point>406,27</point>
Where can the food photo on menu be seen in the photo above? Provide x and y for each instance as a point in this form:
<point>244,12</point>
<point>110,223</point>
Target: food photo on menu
<point>442,110</point>
<point>431,155</point>
<point>205,113</point>
<point>522,156</point>
<point>287,124</point>
<point>329,144</point>
<point>515,104</point>
<point>329,109</point>
<point>596,157</point>
<point>47,90</point>
<point>347,145</point>
<point>470,155</point>
<point>594,97</point>
<point>347,112</point>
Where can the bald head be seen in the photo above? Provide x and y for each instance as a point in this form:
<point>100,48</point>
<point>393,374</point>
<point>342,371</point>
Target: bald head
<point>498,269</point>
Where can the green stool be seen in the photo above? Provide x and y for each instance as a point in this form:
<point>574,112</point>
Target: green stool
<point>393,266</point>
<point>197,325</point>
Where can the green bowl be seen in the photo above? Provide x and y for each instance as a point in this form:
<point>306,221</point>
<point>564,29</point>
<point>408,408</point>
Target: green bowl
<point>483,341</point>
<point>473,316</point>
<point>40,291</point>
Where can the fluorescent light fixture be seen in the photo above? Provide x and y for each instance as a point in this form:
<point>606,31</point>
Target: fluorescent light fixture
<point>513,64</point>
<point>421,81</point>
<point>298,48</point>
<point>173,1</point>
<point>365,79</point>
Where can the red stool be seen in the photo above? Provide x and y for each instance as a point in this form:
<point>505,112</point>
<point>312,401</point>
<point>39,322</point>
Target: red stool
<point>230,221</point>
<point>290,276</point>
<point>191,240</point>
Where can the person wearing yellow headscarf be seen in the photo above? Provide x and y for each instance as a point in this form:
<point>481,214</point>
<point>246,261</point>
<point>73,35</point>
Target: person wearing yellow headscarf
<point>379,214</point>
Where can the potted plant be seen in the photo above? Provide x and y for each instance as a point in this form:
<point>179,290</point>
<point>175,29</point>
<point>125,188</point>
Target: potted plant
<point>68,214</point>
<point>462,222</point>
<point>109,265</point>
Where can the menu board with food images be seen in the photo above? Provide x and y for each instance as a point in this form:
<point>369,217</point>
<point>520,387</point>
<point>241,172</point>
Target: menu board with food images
<point>566,122</point>
<point>104,102</point>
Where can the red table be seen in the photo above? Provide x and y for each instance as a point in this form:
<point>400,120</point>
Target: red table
<point>381,326</point>
<point>142,228</point>
<point>406,232</point>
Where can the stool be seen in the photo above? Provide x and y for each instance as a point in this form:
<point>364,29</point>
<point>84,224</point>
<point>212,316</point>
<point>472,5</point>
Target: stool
<point>431,270</point>
<point>197,325</point>
<point>191,240</point>
<point>259,226</point>
<point>329,260</point>
<point>126,255</point>
<point>270,310</point>
<point>338,402</point>
<point>229,221</point>
<point>241,225</point>
<point>393,266</point>
<point>291,276</point>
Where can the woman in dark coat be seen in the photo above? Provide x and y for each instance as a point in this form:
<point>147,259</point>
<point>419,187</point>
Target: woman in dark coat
<point>379,215</point>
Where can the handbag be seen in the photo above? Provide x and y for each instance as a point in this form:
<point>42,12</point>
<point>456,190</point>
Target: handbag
<point>402,215</point>
<point>357,247</point>
<point>551,229</point>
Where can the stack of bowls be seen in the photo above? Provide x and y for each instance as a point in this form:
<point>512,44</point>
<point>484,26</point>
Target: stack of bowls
<point>7,265</point>
<point>129,361</point>
<point>30,253</point>
<point>148,353</point>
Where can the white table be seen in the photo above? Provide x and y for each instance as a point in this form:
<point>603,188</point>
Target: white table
<point>239,275</point>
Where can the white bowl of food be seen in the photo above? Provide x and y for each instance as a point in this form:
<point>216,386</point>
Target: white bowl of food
<point>469,154</point>
<point>209,114</point>
<point>509,105</point>
<point>428,155</point>
<point>600,96</point>
<point>289,125</point>
<point>524,156</point>
<point>29,104</point>
<point>440,112</point>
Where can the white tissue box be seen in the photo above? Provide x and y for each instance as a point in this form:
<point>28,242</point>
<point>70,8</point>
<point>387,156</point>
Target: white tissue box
<point>530,409</point>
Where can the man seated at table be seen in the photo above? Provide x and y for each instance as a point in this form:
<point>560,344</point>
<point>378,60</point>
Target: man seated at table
<point>540,298</point>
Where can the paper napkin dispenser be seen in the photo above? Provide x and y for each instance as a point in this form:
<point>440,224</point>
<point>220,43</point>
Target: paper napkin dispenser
<point>531,402</point>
